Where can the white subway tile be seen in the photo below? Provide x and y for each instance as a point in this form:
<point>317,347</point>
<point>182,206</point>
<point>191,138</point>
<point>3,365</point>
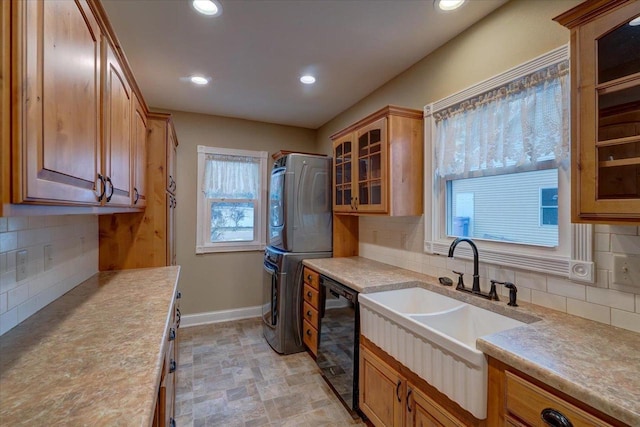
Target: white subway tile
<point>37,222</point>
<point>603,260</point>
<point>562,287</point>
<point>3,262</point>
<point>8,241</point>
<point>7,281</point>
<point>28,308</point>
<point>531,280</point>
<point>17,296</point>
<point>625,244</point>
<point>555,302</point>
<point>3,302</point>
<point>602,278</point>
<point>18,223</point>
<point>611,298</point>
<point>638,303</point>
<point>626,320</point>
<point>8,320</point>
<point>620,229</point>
<point>4,224</point>
<point>599,313</point>
<point>602,242</point>
<point>438,261</point>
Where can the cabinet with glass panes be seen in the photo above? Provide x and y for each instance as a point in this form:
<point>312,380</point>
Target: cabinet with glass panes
<point>605,91</point>
<point>378,164</point>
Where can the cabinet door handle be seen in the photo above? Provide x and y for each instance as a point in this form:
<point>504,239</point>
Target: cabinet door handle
<point>398,390</point>
<point>309,277</point>
<point>108,179</point>
<point>178,294</point>
<point>103,186</point>
<point>178,315</point>
<point>309,294</point>
<point>172,366</point>
<point>554,418</point>
<point>356,203</point>
<point>409,400</point>
<point>309,332</point>
<point>309,313</point>
<point>172,334</point>
<point>135,190</point>
<point>172,422</point>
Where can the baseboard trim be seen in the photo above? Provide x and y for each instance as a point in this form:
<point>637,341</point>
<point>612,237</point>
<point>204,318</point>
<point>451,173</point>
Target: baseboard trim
<point>210,317</point>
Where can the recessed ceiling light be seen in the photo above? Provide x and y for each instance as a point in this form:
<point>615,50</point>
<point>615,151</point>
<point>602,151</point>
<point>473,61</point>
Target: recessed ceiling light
<point>448,5</point>
<point>635,22</point>
<point>199,80</point>
<point>207,7</point>
<point>308,79</point>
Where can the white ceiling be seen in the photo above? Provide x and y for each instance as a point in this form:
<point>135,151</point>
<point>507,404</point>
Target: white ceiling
<point>256,50</point>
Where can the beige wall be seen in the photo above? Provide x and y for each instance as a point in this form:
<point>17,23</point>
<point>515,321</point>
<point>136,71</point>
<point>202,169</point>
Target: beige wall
<point>516,32</point>
<point>221,281</point>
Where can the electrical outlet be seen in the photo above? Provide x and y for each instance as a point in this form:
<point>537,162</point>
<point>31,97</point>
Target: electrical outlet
<point>48,257</point>
<point>21,265</point>
<point>626,270</point>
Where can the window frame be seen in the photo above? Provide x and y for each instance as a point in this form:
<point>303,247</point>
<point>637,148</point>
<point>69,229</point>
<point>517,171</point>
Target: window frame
<point>203,210</point>
<point>572,258</point>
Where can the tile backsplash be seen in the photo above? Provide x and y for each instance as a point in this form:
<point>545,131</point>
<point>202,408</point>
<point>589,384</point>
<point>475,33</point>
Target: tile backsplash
<point>400,241</point>
<point>71,246</point>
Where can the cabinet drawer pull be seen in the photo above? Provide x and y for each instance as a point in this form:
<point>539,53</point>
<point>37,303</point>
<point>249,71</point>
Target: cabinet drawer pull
<point>554,418</point>
<point>172,423</point>
<point>309,332</point>
<point>172,366</point>
<point>308,313</point>
<point>308,277</point>
<point>108,179</point>
<point>309,294</point>
<point>172,334</point>
<point>409,400</point>
<point>103,185</point>
<point>178,316</point>
<point>398,390</point>
<point>178,294</point>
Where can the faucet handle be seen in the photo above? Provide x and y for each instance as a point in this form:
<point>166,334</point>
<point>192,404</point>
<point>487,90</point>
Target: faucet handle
<point>513,292</point>
<point>460,285</point>
<point>493,294</point>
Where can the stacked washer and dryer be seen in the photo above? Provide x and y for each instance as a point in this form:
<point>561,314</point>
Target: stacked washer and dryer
<point>300,222</point>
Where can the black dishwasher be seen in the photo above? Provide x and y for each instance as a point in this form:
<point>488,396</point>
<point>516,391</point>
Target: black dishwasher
<point>338,341</point>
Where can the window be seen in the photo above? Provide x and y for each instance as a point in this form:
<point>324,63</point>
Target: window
<point>231,200</point>
<point>500,171</point>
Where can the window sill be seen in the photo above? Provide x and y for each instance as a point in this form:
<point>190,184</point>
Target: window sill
<point>229,248</point>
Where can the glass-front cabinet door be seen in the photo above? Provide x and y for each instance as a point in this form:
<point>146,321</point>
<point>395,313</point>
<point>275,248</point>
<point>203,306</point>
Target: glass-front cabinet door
<point>371,176</point>
<point>606,110</point>
<point>343,199</point>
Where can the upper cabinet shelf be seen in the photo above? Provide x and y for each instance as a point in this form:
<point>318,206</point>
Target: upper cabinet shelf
<point>605,128</point>
<point>378,164</point>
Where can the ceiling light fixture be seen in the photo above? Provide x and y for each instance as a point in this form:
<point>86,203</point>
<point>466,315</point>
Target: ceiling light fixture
<point>207,7</point>
<point>199,80</point>
<point>448,5</point>
<point>635,22</point>
<point>308,79</point>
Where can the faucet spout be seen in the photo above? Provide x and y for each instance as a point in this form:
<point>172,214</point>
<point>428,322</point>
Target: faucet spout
<point>476,277</point>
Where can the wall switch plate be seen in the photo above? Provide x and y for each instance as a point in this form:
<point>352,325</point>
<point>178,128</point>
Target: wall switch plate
<point>21,265</point>
<point>48,257</point>
<point>626,270</point>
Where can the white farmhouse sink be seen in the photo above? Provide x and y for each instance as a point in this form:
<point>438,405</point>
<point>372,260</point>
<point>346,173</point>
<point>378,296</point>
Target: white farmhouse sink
<point>435,336</point>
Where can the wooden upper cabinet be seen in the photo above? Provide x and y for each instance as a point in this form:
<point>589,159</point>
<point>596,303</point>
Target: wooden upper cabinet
<point>117,130</point>
<point>605,87</point>
<point>139,150</point>
<point>56,86</point>
<point>378,164</point>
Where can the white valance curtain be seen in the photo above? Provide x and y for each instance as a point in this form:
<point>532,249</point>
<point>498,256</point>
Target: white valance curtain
<point>523,125</point>
<point>231,177</point>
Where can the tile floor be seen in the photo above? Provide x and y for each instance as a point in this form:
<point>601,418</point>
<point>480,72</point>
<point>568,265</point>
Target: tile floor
<point>229,376</point>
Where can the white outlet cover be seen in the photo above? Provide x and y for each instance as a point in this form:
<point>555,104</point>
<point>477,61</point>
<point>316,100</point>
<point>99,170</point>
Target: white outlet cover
<point>626,270</point>
<point>21,265</point>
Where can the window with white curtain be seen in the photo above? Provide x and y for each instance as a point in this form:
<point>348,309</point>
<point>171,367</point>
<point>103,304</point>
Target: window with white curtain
<point>500,168</point>
<point>232,191</point>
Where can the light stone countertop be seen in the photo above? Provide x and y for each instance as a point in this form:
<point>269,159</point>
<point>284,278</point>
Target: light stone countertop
<point>92,357</point>
<point>595,363</point>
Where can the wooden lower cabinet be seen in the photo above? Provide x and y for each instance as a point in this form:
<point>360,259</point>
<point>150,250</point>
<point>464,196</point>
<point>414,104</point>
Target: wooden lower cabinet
<point>515,399</point>
<point>392,395</point>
